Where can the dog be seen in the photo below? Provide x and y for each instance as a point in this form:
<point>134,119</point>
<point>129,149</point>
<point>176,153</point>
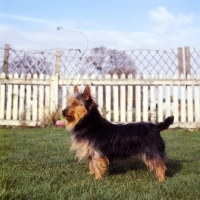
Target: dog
<point>100,141</point>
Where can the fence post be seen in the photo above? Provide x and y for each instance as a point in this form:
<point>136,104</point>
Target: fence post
<point>58,61</point>
<point>187,60</point>
<point>180,60</point>
<point>5,61</point>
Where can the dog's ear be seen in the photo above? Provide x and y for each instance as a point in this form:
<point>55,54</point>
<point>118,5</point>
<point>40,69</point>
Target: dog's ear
<point>86,93</point>
<point>76,89</point>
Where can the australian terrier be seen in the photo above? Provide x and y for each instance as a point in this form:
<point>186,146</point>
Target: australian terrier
<point>100,141</point>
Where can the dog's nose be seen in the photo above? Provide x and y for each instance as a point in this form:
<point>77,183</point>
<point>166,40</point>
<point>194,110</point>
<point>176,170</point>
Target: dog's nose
<point>64,112</point>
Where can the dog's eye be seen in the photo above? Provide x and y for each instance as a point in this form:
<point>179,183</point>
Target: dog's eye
<point>74,104</point>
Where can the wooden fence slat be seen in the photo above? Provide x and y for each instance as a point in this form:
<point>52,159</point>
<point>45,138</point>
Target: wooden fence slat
<point>15,99</point>
<point>160,101</point>
<point>183,99</point>
<point>34,100</point>
<point>28,100</point>
<point>167,100</point>
<point>41,100</point>
<point>145,101</point>
<point>71,89</point>
<point>2,97</point>
<point>122,101</point>
<point>47,100</point>
<point>197,101</point>
<point>93,87</point>
<point>108,99</point>
<point>138,101</point>
<point>189,101</point>
<point>100,95</point>
<point>53,92</point>
<point>9,99</point>
<point>130,101</point>
<point>22,100</point>
<point>153,102</point>
<point>72,84</point>
<point>175,102</point>
<point>64,96</point>
<point>116,100</point>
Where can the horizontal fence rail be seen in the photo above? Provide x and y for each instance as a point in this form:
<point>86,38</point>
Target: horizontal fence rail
<point>36,99</point>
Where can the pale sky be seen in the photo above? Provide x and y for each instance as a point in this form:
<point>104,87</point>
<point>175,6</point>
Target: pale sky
<point>115,24</point>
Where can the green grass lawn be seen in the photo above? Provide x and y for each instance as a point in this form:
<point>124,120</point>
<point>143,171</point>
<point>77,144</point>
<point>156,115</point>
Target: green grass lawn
<point>36,163</point>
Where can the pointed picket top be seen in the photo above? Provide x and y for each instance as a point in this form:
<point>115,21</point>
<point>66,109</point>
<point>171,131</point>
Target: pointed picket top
<point>78,76</point>
<point>122,76</point>
<point>48,77</point>
<point>160,76</point>
<point>188,76</point>
<point>152,76</point>
<point>64,77</point>
<point>85,76</point>
<point>145,76</point>
<point>137,76</point>
<point>41,76</point>
<point>167,76</point>
<point>10,76</point>
<point>175,76</point>
<point>35,76</point>
<point>196,76</point>
<point>130,76</point>
<point>108,76</point>
<point>93,76</point>
<point>29,76</point>
<point>115,76</point>
<point>100,76</point>
<point>182,76</point>
<point>3,75</point>
<point>71,76</point>
<point>22,76</point>
<point>15,75</point>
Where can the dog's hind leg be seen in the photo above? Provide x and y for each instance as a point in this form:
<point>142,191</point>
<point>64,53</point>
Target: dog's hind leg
<point>156,165</point>
<point>160,170</point>
<point>99,164</point>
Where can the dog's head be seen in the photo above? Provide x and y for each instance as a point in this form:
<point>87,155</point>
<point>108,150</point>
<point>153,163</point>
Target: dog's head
<point>78,106</point>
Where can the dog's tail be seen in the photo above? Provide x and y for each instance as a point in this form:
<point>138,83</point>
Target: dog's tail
<point>164,125</point>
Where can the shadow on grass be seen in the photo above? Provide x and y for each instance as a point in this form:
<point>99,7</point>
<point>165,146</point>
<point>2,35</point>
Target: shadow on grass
<point>173,167</point>
<point>121,167</point>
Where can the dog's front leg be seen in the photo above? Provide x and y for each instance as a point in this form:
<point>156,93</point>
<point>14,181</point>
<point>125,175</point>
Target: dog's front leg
<point>99,164</point>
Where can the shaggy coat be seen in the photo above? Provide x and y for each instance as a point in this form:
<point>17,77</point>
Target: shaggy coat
<point>100,141</point>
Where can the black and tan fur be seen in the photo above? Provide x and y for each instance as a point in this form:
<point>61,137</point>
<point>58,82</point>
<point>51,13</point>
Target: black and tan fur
<point>100,142</point>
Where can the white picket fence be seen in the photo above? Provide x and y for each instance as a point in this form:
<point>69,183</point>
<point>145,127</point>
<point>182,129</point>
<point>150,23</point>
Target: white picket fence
<point>32,98</point>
